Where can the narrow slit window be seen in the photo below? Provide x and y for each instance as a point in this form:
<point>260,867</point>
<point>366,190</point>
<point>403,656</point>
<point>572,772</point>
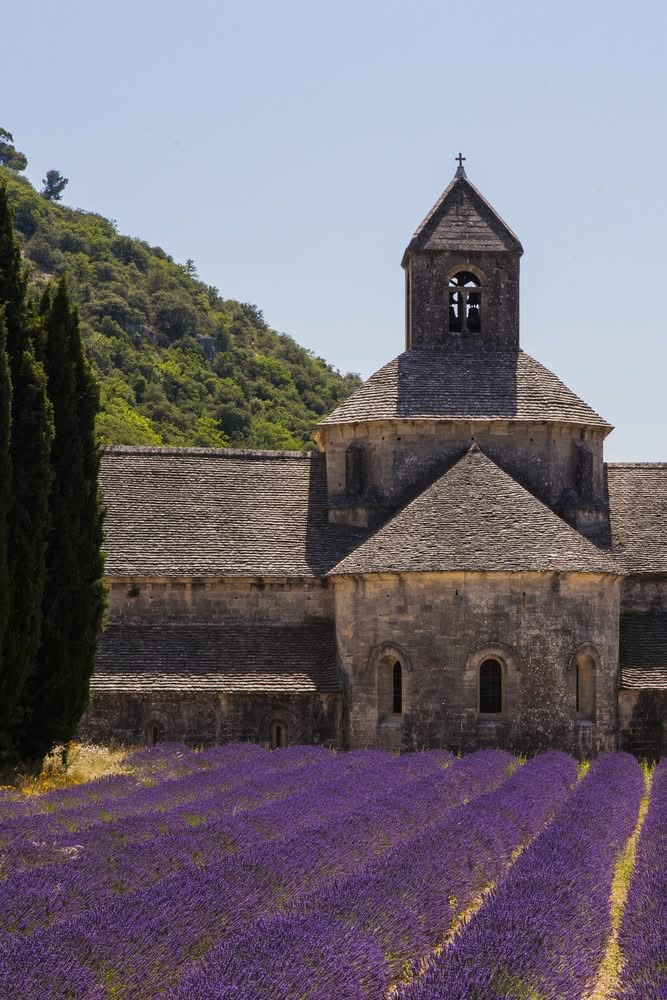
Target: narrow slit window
<point>397,689</point>
<point>355,470</point>
<point>585,690</point>
<point>278,735</point>
<point>490,688</point>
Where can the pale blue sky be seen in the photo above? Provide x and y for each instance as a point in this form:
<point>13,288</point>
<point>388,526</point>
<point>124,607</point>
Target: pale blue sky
<point>292,147</point>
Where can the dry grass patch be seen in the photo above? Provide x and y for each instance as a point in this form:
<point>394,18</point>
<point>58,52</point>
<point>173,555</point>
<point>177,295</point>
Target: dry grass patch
<point>73,764</point>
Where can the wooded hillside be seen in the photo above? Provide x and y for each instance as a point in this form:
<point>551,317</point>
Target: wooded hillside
<point>178,363</point>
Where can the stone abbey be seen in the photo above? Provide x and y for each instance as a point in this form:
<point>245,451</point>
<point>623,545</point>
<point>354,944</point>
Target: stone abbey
<point>456,565</point>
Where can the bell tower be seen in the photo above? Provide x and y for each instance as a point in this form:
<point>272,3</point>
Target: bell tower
<point>462,275</point>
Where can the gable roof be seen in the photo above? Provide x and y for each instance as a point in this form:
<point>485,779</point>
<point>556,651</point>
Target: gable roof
<point>643,650</point>
<point>466,385</point>
<point>218,512</point>
<point>462,219</point>
<point>475,517</point>
<point>638,514</point>
<point>226,658</point>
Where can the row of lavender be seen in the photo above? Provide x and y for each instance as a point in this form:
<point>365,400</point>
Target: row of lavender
<point>142,942</point>
<point>543,932</point>
<point>239,779</point>
<point>374,925</point>
<point>339,870</point>
<point>123,856</point>
<point>643,931</point>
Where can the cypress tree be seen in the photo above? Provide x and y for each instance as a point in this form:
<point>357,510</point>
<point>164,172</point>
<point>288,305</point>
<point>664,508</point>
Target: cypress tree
<point>74,597</point>
<point>5,478</point>
<point>29,452</point>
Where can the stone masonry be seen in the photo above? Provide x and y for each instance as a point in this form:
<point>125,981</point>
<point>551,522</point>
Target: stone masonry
<point>457,566</point>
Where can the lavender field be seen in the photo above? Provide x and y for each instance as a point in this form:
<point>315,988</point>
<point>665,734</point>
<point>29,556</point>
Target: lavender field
<point>303,874</point>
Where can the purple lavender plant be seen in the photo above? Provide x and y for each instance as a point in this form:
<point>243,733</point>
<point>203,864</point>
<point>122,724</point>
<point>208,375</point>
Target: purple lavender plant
<point>643,931</point>
<point>406,901</point>
<point>152,936</point>
<point>543,931</point>
<point>314,958</point>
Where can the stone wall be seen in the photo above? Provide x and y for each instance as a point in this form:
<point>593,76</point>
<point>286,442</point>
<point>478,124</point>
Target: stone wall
<point>643,713</point>
<point>427,305</point>
<point>400,454</point>
<point>643,722</point>
<point>201,718</point>
<point>442,626</point>
<point>644,593</point>
<point>288,601</point>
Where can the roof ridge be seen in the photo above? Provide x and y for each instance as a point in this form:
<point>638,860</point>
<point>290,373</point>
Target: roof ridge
<point>137,449</point>
<point>637,465</point>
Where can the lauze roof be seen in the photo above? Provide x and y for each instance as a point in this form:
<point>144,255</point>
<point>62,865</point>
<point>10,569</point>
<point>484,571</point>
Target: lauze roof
<point>476,518</point>
<point>638,505</point>
<point>224,658</point>
<point>217,512</point>
<point>465,385</point>
<point>643,650</point>
<point>462,219</point>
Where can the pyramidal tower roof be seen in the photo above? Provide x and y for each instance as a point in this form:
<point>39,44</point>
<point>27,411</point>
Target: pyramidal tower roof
<point>462,219</point>
<point>476,518</point>
<point>419,385</point>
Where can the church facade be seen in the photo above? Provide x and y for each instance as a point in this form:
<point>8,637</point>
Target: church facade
<point>456,565</point>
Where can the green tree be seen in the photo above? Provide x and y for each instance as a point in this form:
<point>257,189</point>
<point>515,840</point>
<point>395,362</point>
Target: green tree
<point>74,596</point>
<point>10,156</point>
<point>5,478</point>
<point>30,446</point>
<point>54,185</point>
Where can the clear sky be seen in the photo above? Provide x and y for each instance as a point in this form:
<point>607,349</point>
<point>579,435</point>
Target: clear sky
<point>291,147</point>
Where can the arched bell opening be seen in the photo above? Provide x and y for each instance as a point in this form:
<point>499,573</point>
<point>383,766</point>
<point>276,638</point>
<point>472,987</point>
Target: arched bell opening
<point>465,301</point>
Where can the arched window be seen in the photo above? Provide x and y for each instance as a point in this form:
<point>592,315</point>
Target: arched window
<point>490,688</point>
<point>465,303</point>
<point>355,470</point>
<point>392,669</point>
<point>278,735</point>
<point>397,689</point>
<point>585,686</point>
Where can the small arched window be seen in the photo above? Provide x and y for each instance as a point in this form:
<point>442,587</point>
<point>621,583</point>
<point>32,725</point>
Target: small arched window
<point>278,735</point>
<point>154,732</point>
<point>585,686</point>
<point>397,689</point>
<point>355,470</point>
<point>465,303</point>
<point>490,688</point>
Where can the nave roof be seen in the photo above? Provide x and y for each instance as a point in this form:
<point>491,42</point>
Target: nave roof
<point>205,512</point>
<point>638,506</point>
<point>230,657</point>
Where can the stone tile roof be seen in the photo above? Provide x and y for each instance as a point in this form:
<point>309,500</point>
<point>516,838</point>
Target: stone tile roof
<point>636,678</point>
<point>476,517</point>
<point>218,512</point>
<point>638,514</point>
<point>225,658</point>
<point>466,385</point>
<point>643,650</point>
<point>462,219</point>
